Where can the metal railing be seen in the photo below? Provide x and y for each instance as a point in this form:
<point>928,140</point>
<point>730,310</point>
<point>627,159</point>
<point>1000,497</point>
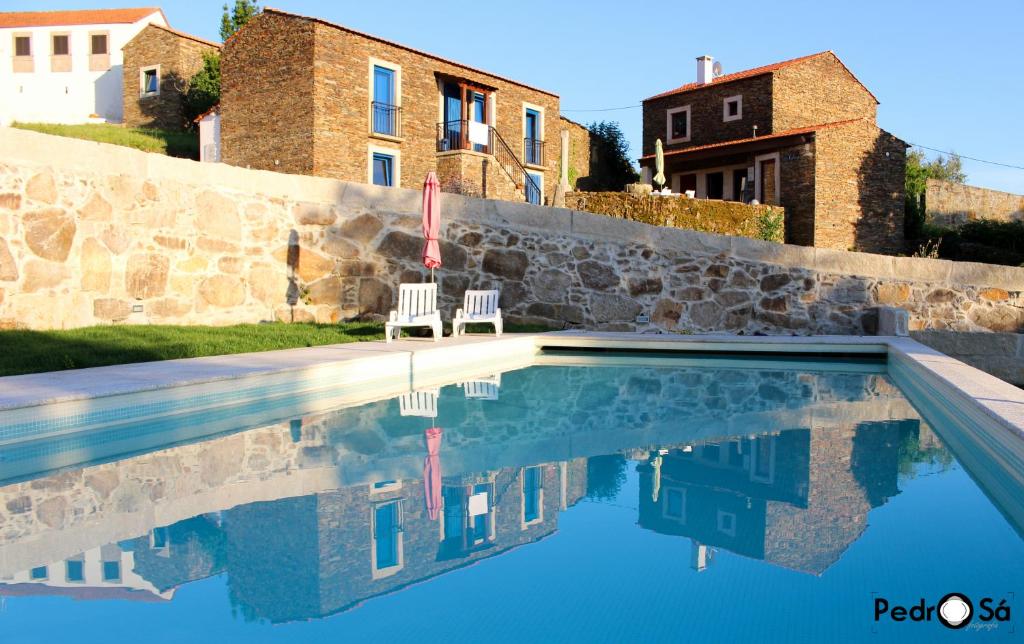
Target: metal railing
<point>385,119</point>
<point>454,135</point>
<point>533,151</point>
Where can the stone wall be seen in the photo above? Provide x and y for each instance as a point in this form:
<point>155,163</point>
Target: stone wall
<point>859,187</point>
<point>705,215</point>
<point>819,89</point>
<point>998,354</point>
<point>579,153</point>
<point>179,56</point>
<point>952,204</point>
<point>90,231</point>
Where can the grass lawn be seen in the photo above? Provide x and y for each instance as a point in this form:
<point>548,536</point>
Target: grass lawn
<point>175,144</point>
<point>97,346</point>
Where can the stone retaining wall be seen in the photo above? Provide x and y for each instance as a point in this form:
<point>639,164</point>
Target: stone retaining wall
<point>91,232</point>
<point>998,354</point>
<point>952,204</point>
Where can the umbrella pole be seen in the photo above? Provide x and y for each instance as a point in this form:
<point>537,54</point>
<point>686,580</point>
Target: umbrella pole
<point>431,276</point>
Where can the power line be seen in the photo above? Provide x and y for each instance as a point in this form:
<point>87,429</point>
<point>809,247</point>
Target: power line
<point>1005,165</point>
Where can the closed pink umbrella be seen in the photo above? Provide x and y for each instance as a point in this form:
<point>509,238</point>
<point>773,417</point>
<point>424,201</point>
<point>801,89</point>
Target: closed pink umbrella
<point>432,472</point>
<point>431,223</point>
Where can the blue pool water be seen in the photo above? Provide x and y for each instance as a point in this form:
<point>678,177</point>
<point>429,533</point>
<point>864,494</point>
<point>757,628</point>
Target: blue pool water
<point>638,498</point>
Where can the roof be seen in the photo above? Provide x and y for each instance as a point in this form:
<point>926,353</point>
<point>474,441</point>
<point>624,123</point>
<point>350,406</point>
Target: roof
<point>758,71</point>
<point>767,137</point>
<point>182,34</point>
<point>76,17</point>
<point>405,47</point>
<point>215,108</point>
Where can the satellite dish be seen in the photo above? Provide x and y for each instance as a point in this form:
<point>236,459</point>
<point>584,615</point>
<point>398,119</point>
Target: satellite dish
<point>716,69</point>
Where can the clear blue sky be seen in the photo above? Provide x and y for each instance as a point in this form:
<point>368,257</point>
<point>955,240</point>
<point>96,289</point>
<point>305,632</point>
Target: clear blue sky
<point>949,75</point>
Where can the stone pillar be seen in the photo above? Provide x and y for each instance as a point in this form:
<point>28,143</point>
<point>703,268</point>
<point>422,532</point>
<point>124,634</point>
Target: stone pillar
<point>558,201</point>
<point>893,321</point>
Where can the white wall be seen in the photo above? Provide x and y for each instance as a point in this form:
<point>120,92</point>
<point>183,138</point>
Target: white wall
<point>65,97</point>
<point>209,138</point>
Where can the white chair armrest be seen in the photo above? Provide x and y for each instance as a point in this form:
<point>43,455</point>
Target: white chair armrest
<point>393,317</point>
<point>497,312</point>
<point>458,313</point>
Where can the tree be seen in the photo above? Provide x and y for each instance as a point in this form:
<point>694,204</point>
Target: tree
<point>610,166</point>
<point>917,174</point>
<point>203,90</point>
<point>236,18</point>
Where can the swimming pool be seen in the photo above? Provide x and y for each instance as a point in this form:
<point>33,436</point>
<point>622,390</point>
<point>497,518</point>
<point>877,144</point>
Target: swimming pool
<point>587,497</point>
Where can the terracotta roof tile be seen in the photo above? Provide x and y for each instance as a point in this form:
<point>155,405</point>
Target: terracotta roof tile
<point>76,17</point>
<point>756,71</point>
<point>766,137</point>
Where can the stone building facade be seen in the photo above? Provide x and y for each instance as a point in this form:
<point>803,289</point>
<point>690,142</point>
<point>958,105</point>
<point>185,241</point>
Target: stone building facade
<point>801,134</point>
<point>158,62</point>
<point>355,102</point>
<point>580,142</point>
<point>952,204</point>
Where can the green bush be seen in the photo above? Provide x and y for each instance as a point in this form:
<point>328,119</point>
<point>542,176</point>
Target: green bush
<point>985,240</point>
<point>770,224</point>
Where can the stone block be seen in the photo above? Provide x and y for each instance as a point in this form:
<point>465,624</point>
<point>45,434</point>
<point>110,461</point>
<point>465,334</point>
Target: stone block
<point>893,321</point>
<point>49,233</point>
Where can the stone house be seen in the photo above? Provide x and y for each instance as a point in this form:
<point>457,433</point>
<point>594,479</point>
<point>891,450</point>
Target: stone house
<point>361,108</point>
<point>801,133</point>
<point>158,62</point>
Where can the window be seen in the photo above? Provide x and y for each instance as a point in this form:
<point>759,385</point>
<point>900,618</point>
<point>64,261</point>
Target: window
<point>678,125</point>
<point>158,539</point>
<point>384,110</point>
<point>61,45</point>
<point>75,570</point>
<point>111,571</point>
<point>732,108</point>
<point>533,135</point>
<point>387,528</point>
<point>98,44</point>
<point>727,523</point>
<point>22,60</point>
<point>149,81</point>
<point>22,45</point>
<point>534,189</point>
<point>532,497</point>
<point>99,51</point>
<point>383,169</point>
<point>39,574</point>
<point>675,504</point>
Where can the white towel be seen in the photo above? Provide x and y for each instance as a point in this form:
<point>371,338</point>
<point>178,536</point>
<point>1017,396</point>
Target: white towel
<point>478,504</point>
<point>478,133</point>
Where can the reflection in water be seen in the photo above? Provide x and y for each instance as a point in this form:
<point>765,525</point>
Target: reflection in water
<point>311,516</point>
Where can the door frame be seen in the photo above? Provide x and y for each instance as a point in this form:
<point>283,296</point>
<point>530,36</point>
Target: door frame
<point>774,156</point>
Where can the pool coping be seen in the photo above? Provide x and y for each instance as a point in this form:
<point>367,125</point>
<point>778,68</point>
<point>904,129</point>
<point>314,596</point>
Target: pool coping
<point>424,362</point>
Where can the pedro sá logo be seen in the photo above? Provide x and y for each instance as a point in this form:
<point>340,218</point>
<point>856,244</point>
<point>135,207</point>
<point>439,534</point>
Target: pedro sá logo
<point>953,610</point>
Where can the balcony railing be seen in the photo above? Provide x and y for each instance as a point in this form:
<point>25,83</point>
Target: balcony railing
<point>454,135</point>
<point>386,119</point>
<point>533,151</point>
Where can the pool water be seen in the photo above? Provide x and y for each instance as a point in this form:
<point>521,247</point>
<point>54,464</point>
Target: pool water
<point>639,498</point>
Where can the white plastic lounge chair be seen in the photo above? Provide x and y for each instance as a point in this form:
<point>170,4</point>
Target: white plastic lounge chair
<point>417,306</point>
<point>419,403</point>
<point>478,307</point>
<point>482,388</point>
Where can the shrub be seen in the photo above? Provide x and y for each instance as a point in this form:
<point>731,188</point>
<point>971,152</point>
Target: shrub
<point>770,224</point>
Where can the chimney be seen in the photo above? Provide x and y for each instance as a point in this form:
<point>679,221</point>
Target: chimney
<point>704,73</point>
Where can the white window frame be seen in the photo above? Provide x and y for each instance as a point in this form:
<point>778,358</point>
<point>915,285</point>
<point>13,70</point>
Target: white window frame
<point>523,523</point>
<point>540,131</point>
<point>381,573</point>
<point>778,176</point>
<point>396,169</point>
<point>668,124</point>
<point>142,81</point>
<point>395,67</point>
<point>739,108</point>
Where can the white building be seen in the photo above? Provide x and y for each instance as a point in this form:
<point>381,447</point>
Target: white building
<point>209,135</point>
<point>66,66</point>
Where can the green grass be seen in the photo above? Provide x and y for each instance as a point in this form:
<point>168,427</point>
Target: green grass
<point>97,346</point>
<point>38,351</point>
<point>175,144</point>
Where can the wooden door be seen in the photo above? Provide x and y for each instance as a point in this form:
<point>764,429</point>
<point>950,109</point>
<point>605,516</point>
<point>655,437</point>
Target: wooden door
<point>769,191</point>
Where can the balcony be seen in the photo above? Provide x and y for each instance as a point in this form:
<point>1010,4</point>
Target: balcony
<point>386,119</point>
<point>457,135</point>
<point>533,151</point>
